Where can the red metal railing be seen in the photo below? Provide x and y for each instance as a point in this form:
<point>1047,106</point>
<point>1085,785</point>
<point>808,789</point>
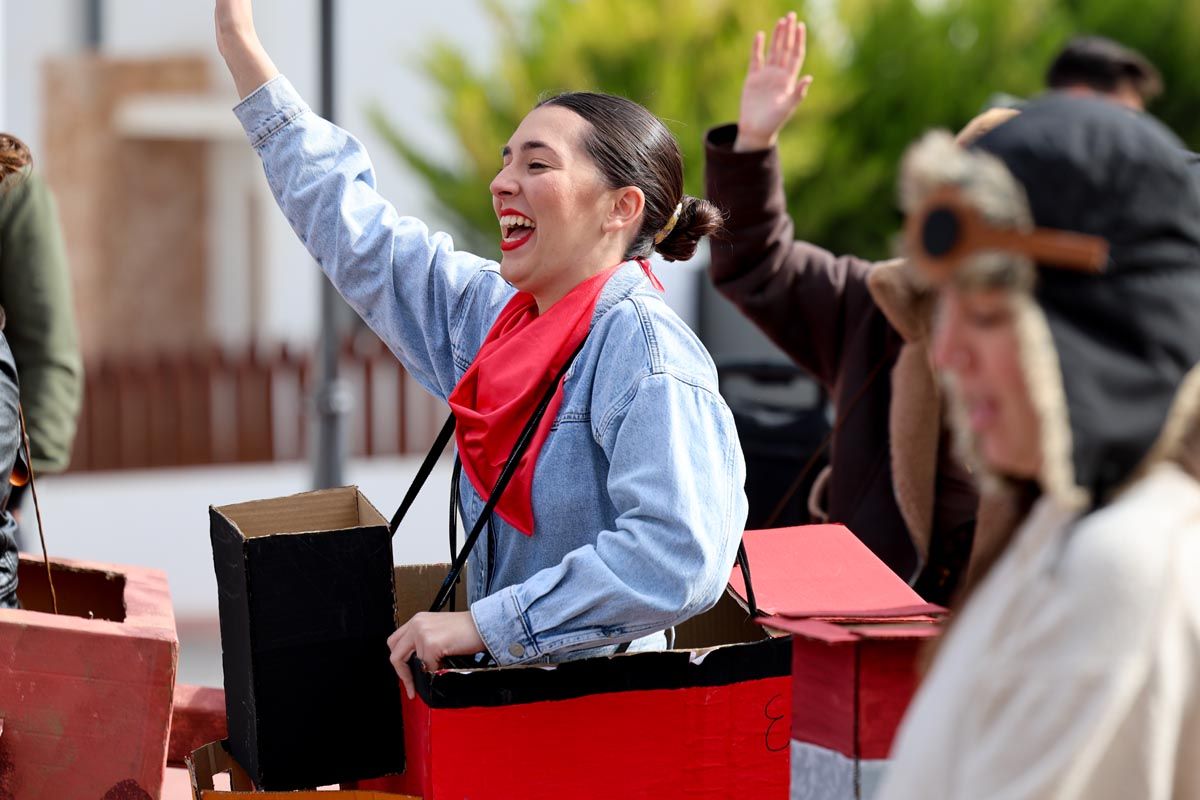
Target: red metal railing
<point>220,407</point>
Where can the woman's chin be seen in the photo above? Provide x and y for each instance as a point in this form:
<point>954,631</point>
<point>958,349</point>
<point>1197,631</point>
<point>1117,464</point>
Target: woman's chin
<point>515,270</point>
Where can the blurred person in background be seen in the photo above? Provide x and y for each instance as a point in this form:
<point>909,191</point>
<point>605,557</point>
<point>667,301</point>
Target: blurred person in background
<point>35,292</point>
<point>1094,65</point>
<point>1066,252</point>
<point>860,328</point>
<point>14,161</point>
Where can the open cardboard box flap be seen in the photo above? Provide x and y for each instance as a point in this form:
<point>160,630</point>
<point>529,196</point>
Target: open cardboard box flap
<point>824,572</point>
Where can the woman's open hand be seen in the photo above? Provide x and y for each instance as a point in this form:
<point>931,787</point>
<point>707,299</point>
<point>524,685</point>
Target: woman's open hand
<point>432,637</point>
<point>772,90</point>
<point>238,42</point>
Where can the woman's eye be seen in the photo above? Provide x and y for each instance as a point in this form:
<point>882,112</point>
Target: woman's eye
<point>537,165</point>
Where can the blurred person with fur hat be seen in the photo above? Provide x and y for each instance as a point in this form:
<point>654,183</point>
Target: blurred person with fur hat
<point>1065,249</point>
<point>860,328</point>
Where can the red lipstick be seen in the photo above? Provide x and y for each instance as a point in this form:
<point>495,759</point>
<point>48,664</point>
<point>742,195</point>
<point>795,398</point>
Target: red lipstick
<point>509,244</point>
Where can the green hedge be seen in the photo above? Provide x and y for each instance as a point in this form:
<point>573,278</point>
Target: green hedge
<point>886,70</point>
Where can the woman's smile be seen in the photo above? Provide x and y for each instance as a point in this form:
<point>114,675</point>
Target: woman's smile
<point>516,229</point>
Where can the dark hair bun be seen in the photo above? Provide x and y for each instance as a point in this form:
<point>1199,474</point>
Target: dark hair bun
<point>697,218</point>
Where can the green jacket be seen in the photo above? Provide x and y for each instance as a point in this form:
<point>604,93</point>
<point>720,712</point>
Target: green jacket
<point>35,292</point>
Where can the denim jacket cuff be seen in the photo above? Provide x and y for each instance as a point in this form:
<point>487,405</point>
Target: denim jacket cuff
<point>269,108</point>
<point>503,629</point>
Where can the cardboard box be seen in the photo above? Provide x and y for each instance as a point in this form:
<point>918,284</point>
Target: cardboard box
<point>85,695</point>
<point>707,720</point>
<point>852,685</point>
<point>857,632</point>
<point>213,759</point>
<point>307,601</point>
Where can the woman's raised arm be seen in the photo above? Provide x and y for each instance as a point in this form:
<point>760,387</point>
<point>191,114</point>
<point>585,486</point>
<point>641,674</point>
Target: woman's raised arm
<point>432,305</point>
<point>238,42</point>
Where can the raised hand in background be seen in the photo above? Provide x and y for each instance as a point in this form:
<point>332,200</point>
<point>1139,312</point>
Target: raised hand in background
<point>773,89</point>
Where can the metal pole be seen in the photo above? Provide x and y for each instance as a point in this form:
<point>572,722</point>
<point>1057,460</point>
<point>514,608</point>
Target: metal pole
<point>333,396</point>
<point>93,24</point>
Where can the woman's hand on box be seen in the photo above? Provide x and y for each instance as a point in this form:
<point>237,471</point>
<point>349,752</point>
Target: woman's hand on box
<point>432,637</point>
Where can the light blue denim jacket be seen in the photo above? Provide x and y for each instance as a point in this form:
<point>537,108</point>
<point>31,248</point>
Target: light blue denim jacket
<point>638,491</point>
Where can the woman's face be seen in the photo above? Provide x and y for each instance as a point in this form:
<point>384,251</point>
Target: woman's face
<point>554,208</point>
<point>975,338</point>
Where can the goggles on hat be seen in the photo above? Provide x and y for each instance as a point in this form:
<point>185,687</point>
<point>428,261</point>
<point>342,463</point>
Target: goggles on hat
<point>946,230</point>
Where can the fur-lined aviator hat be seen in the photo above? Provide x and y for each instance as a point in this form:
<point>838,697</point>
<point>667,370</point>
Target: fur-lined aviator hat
<point>1088,214</point>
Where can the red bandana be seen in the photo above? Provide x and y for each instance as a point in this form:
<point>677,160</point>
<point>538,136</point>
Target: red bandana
<point>497,395</point>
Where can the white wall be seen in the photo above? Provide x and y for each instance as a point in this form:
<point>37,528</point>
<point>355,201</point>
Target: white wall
<point>33,32</point>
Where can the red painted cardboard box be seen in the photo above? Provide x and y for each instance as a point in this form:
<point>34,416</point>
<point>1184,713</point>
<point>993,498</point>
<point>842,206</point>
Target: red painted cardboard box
<point>857,634</point>
<point>85,695</point>
<point>709,719</point>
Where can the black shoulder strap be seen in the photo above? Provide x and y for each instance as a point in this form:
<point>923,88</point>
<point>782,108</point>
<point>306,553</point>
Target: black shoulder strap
<point>744,563</point>
<point>431,459</point>
<point>506,473</point>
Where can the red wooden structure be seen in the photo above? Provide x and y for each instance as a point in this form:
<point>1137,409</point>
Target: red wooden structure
<point>86,695</point>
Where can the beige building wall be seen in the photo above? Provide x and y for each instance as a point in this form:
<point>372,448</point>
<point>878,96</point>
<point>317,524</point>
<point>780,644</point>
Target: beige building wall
<point>133,211</point>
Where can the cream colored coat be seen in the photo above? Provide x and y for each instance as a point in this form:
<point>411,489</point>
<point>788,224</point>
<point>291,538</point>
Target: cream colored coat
<point>1074,669</point>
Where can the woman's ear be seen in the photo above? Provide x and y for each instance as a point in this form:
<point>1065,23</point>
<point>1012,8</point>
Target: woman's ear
<point>626,211</point>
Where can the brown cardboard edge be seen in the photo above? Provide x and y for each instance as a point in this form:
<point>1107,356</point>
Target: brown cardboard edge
<point>358,505</point>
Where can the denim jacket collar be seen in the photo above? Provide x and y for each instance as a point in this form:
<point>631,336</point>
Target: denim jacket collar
<point>625,282</point>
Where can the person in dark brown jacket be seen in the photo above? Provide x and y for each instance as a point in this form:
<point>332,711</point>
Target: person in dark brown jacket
<point>860,328</point>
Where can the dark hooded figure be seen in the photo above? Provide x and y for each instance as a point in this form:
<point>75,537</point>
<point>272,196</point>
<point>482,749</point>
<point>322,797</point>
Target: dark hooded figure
<point>1066,252</point>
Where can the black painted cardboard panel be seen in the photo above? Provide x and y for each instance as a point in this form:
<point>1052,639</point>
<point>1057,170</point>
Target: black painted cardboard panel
<point>305,615</point>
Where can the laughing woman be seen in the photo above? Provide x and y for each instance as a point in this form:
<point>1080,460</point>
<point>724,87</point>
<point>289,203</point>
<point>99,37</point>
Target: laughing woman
<point>624,516</point>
